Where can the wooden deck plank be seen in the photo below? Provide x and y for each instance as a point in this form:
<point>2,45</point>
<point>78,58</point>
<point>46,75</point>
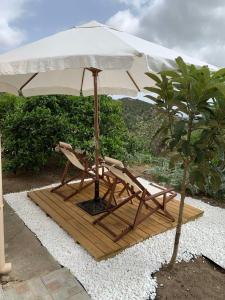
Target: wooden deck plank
<point>100,239</point>
<point>71,206</point>
<point>94,238</point>
<point>90,219</point>
<point>90,247</point>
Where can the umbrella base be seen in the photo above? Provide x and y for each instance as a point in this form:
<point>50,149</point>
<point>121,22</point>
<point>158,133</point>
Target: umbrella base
<point>95,206</point>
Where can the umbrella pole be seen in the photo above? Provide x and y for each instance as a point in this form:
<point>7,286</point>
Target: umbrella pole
<point>5,268</point>
<point>96,127</point>
<point>97,205</point>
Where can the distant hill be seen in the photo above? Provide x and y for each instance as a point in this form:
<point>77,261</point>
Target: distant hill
<point>135,110</point>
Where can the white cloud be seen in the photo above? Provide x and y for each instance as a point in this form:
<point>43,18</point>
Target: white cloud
<point>10,11</point>
<point>125,20</point>
<point>135,3</point>
<point>194,27</point>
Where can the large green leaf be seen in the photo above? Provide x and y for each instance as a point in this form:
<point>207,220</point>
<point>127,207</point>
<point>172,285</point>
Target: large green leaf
<point>151,98</point>
<point>170,73</point>
<point>181,64</point>
<point>154,77</point>
<point>153,90</point>
<point>215,179</point>
<point>219,73</point>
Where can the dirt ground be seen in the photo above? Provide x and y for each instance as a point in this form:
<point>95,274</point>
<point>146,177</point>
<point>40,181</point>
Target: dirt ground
<point>25,181</point>
<point>197,280</point>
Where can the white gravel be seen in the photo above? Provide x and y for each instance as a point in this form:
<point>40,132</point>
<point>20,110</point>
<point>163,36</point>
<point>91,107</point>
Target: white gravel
<point>129,274</point>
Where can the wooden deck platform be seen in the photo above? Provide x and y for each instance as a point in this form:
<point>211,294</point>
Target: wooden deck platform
<point>95,239</point>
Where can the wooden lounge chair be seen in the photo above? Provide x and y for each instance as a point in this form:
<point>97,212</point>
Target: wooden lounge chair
<point>151,200</point>
<point>78,161</point>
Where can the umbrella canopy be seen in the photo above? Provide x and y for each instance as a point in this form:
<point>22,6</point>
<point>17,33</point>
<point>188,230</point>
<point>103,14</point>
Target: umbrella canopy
<point>59,64</point>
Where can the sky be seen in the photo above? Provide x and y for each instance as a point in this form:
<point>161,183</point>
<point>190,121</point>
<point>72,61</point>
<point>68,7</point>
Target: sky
<point>193,27</point>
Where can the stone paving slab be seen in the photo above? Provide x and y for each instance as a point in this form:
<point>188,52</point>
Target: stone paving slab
<point>28,256</point>
<point>1,293</point>
<point>32,289</point>
<point>57,285</point>
<point>80,296</point>
<point>61,284</point>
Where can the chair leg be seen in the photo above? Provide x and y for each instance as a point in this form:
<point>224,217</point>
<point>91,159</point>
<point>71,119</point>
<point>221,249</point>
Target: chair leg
<point>111,197</point>
<point>65,172</point>
<point>122,191</point>
<point>151,212</point>
<point>109,185</point>
<point>78,190</point>
<point>63,179</point>
<point>114,208</point>
<point>136,220</point>
<point>162,207</point>
<point>128,229</point>
<point>169,215</point>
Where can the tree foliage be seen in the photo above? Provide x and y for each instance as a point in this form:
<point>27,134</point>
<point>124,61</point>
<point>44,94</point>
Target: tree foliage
<point>192,99</point>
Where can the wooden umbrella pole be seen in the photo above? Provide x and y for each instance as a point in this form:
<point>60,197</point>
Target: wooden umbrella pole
<point>5,268</point>
<point>97,205</point>
<point>96,127</point>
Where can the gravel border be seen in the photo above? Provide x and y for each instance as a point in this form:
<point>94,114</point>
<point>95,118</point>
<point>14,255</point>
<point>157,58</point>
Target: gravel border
<point>127,276</point>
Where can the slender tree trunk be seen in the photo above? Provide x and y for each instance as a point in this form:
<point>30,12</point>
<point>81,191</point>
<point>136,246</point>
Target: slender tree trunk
<point>180,217</point>
<point>183,194</point>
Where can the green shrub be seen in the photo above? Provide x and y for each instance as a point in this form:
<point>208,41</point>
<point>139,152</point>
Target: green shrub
<point>29,137</point>
<point>31,132</point>
<point>113,132</point>
<point>139,158</point>
<point>209,191</point>
<point>8,104</point>
<point>162,173</point>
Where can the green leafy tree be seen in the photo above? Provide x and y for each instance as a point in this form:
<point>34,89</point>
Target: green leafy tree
<point>191,99</point>
<point>31,131</point>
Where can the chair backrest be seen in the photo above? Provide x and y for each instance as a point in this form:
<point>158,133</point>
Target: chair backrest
<point>67,150</point>
<point>124,175</point>
<point>151,188</point>
<point>113,161</point>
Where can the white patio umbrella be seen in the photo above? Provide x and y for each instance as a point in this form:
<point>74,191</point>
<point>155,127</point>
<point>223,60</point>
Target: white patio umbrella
<point>93,58</point>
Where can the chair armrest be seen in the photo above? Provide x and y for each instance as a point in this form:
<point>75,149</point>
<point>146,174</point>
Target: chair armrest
<point>161,193</point>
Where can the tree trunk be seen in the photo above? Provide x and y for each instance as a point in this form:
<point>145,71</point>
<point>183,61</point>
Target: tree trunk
<point>180,217</point>
<point>183,195</point>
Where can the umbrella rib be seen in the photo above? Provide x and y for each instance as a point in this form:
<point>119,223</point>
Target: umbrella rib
<point>82,82</point>
<point>132,79</point>
<point>26,83</point>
